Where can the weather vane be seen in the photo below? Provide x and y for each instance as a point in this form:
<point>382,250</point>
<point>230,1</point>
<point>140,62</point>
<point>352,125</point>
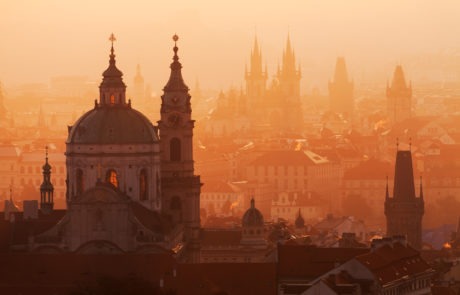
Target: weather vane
<point>112,38</point>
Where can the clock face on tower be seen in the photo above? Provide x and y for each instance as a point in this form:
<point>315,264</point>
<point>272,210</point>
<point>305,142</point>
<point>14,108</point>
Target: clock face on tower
<point>174,119</point>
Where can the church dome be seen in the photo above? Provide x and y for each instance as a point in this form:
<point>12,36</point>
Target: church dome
<point>113,125</point>
<point>253,217</point>
<point>113,121</point>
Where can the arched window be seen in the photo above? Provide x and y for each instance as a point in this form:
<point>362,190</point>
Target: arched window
<point>175,149</point>
<point>143,185</point>
<point>80,182</point>
<point>111,177</point>
<point>112,99</point>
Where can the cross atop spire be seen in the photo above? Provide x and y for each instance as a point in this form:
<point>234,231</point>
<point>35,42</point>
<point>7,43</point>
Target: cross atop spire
<point>112,38</point>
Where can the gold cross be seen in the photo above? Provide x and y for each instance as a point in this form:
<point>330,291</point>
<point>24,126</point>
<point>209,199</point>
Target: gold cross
<point>112,38</point>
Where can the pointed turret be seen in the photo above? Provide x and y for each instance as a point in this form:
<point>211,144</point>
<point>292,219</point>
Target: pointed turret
<point>399,97</point>
<point>288,67</point>
<point>404,211</point>
<point>46,188</point>
<point>404,187</point>
<point>256,78</point>
<point>341,90</point>
<point>139,88</point>
<point>387,192</point>
<point>176,82</point>
<point>299,221</point>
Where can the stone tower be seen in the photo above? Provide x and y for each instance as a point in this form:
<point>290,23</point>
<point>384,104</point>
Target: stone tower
<point>256,78</point>
<point>180,186</point>
<point>404,211</point>
<point>138,83</point>
<point>46,188</point>
<point>341,90</point>
<point>289,82</point>
<point>399,97</point>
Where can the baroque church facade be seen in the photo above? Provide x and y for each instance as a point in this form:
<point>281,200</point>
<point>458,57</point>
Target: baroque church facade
<point>130,184</point>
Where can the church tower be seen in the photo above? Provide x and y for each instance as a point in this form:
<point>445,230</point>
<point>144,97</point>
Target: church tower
<point>341,90</point>
<point>180,186</point>
<point>46,188</point>
<point>399,97</point>
<point>289,82</point>
<point>139,88</point>
<point>404,211</point>
<point>256,77</point>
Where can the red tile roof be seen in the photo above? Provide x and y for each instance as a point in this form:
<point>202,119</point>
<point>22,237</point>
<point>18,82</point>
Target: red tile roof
<point>393,262</point>
<point>220,237</point>
<point>370,169</point>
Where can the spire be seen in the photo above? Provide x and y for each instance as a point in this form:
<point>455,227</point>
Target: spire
<point>176,82</point>
<point>340,74</point>
<point>253,203</point>
<point>404,177</point>
<point>299,221</point>
<point>288,67</point>
<point>138,79</point>
<point>46,188</point>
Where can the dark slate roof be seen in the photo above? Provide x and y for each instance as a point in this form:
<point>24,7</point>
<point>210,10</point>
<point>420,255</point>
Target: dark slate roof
<point>227,278</point>
<point>220,237</point>
<point>308,262</point>
<point>17,232</point>
<point>113,125</point>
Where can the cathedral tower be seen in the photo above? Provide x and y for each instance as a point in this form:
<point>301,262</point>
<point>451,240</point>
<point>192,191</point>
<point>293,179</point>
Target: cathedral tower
<point>341,90</point>
<point>399,97</point>
<point>404,211</point>
<point>180,186</point>
<point>289,82</point>
<point>139,88</point>
<point>46,188</point>
<point>256,77</point>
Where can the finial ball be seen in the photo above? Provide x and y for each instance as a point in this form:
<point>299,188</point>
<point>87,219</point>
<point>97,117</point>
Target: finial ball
<point>175,37</point>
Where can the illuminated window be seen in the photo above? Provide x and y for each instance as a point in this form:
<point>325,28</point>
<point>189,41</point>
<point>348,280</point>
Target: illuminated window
<point>80,181</point>
<point>111,177</point>
<point>112,99</point>
<point>175,149</point>
<point>143,185</point>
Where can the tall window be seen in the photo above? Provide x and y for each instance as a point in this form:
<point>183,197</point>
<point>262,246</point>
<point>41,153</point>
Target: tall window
<point>175,149</point>
<point>143,185</point>
<point>112,99</point>
<point>80,182</point>
<point>111,177</point>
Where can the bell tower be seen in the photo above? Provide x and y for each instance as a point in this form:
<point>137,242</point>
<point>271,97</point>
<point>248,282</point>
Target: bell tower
<point>180,186</point>
<point>46,188</point>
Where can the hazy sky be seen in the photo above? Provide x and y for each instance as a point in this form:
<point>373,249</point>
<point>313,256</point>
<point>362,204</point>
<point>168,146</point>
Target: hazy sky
<point>45,38</point>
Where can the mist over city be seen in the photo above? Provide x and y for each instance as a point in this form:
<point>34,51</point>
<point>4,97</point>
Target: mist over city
<point>232,147</point>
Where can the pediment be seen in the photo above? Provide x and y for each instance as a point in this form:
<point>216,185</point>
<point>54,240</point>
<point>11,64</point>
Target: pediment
<point>102,194</point>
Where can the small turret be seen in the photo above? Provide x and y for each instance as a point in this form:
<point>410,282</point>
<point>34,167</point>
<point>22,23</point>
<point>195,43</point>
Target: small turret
<point>46,188</point>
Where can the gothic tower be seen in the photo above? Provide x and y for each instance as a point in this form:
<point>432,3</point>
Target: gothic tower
<point>180,187</point>
<point>399,97</point>
<point>139,88</point>
<point>46,188</point>
<point>256,77</point>
<point>404,211</point>
<point>341,90</point>
<point>289,82</point>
